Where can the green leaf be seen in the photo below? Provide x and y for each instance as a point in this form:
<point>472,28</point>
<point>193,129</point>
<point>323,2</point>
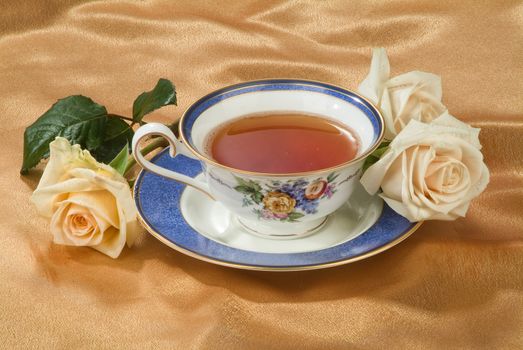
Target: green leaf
<point>163,94</point>
<point>295,215</point>
<point>77,118</point>
<point>381,149</point>
<point>119,163</point>
<point>332,177</point>
<point>376,155</point>
<point>256,187</point>
<point>243,182</point>
<point>248,183</point>
<point>116,135</point>
<point>257,197</point>
<point>246,202</point>
<point>244,189</point>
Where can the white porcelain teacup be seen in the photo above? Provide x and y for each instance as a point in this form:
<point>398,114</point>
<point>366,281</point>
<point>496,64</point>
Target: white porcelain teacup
<point>273,205</point>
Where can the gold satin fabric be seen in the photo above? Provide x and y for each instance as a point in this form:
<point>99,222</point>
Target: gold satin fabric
<point>450,285</point>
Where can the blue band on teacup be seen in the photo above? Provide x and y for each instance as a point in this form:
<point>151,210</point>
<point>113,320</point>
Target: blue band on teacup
<point>208,101</point>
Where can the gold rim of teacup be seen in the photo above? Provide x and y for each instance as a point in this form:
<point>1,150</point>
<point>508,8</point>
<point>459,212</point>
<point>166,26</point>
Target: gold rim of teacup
<point>230,88</point>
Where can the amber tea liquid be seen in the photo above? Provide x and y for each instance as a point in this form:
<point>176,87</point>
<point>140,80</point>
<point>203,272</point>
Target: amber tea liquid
<point>282,143</point>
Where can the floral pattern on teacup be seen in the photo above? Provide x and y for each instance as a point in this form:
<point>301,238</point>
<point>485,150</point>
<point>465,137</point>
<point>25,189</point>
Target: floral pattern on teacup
<point>286,200</point>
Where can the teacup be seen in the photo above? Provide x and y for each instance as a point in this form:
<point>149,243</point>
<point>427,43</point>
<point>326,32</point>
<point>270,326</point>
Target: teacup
<point>275,205</point>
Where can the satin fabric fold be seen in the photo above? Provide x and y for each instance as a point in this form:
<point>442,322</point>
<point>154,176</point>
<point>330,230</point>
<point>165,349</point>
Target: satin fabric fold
<point>450,285</point>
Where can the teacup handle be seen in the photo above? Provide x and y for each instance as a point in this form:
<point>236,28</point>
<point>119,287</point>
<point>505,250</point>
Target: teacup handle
<point>177,147</point>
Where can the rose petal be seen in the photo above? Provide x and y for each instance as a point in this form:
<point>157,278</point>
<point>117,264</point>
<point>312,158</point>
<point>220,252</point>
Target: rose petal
<point>421,162</point>
<point>430,106</point>
<point>89,202</point>
<point>410,96</point>
<point>127,212</point>
<point>64,156</point>
<point>473,160</point>
<point>399,208</point>
<point>95,234</point>
<point>448,124</point>
<point>375,174</point>
<point>431,171</point>
<point>411,209</point>
<point>101,204</point>
<point>112,243</point>
<point>95,221</point>
<point>410,110</point>
<point>447,175</point>
<point>385,107</point>
<point>81,224</point>
<point>425,158</point>
<point>372,86</point>
<point>410,188</point>
<point>60,154</point>
<point>46,198</point>
<point>58,174</point>
<point>399,90</point>
<point>56,225</point>
<point>392,182</point>
<point>63,233</point>
<point>435,175</point>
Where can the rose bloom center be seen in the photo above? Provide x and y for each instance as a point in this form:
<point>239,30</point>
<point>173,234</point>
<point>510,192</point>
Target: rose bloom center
<point>446,175</point>
<point>81,225</point>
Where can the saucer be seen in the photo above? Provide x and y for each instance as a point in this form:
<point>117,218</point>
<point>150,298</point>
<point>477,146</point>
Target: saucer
<point>189,221</point>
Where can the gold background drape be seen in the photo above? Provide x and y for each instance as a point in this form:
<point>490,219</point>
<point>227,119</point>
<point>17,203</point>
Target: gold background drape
<point>450,285</point>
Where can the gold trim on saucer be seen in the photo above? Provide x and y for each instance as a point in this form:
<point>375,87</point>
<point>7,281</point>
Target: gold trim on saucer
<point>286,236</point>
<point>278,269</point>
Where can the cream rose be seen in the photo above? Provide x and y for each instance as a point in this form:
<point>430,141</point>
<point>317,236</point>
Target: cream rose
<point>431,171</point>
<point>89,203</point>
<point>410,96</point>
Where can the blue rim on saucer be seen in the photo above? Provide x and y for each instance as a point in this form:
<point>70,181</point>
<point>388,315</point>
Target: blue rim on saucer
<point>158,203</point>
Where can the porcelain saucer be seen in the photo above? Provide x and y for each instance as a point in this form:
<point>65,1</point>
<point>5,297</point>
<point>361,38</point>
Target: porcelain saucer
<point>192,223</point>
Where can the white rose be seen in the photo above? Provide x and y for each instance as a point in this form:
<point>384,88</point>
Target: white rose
<point>410,96</point>
<point>89,203</point>
<point>431,171</point>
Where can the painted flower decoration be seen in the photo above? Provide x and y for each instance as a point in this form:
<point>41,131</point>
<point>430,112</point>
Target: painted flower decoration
<point>315,189</point>
<point>288,200</point>
<point>279,203</point>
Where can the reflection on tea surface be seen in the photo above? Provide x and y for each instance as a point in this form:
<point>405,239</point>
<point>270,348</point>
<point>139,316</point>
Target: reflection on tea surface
<point>282,143</point>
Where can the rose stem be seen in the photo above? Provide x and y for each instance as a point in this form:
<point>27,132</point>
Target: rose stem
<point>110,115</point>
